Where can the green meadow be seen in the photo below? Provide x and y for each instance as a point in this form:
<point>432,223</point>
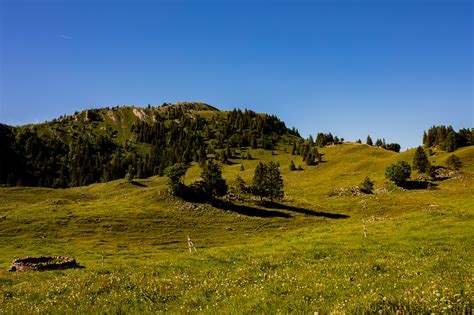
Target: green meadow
<point>305,254</point>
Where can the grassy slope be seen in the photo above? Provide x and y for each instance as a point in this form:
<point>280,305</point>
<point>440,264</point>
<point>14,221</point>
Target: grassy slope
<point>131,239</point>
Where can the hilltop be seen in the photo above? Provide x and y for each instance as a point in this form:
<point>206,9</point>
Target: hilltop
<point>99,145</point>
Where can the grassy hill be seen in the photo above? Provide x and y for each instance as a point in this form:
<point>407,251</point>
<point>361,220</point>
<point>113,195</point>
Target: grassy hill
<point>305,254</point>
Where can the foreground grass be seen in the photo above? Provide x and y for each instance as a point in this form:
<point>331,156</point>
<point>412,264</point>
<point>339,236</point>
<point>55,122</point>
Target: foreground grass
<point>293,258</point>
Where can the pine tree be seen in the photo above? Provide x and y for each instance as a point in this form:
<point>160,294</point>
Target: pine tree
<point>309,159</point>
<point>292,166</point>
<point>258,181</point>
<point>450,142</point>
<point>241,187</point>
<point>267,181</point>
<point>369,140</point>
<point>420,161</point>
<point>213,183</point>
<point>274,181</point>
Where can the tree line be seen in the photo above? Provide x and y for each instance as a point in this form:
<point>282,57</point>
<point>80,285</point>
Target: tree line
<point>447,139</point>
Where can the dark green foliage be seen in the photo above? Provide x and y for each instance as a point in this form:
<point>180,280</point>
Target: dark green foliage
<point>212,182</point>
<point>259,181</point>
<point>274,181</point>
<point>454,162</point>
<point>420,161</point>
<point>309,153</point>
<point>398,172</point>
<point>292,166</point>
<point>369,141</point>
<point>447,139</point>
<point>380,143</point>
<point>241,187</point>
<point>358,141</point>
<point>74,151</point>
<point>431,171</point>
<point>392,147</point>
<point>367,186</point>
<point>175,175</point>
<point>323,139</point>
<point>267,181</point>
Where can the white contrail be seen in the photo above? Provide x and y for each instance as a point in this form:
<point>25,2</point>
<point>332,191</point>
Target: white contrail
<point>65,36</point>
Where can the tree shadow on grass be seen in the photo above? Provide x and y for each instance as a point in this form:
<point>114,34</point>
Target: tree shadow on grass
<point>276,205</point>
<point>417,184</point>
<point>138,184</point>
<point>247,210</point>
<point>192,196</point>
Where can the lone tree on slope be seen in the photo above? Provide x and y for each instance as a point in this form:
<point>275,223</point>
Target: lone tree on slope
<point>213,183</point>
<point>398,172</point>
<point>267,181</point>
<point>175,175</point>
<point>420,161</point>
<point>454,162</point>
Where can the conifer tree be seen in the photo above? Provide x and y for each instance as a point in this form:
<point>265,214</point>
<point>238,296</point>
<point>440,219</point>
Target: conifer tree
<point>420,161</point>
<point>369,140</point>
<point>267,181</point>
<point>292,166</point>
<point>274,181</point>
<point>258,181</point>
<point>241,187</point>
<point>213,183</point>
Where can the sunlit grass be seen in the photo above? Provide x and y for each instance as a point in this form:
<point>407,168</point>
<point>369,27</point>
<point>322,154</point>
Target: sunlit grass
<point>131,240</point>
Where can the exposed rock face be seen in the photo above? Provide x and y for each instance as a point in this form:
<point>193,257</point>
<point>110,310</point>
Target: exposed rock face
<point>43,263</point>
<point>140,113</point>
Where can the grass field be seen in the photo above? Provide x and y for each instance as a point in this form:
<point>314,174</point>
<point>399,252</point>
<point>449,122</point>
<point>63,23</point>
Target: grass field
<point>305,254</point>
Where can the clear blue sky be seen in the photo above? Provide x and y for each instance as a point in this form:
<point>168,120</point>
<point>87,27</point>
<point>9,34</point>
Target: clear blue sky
<point>385,68</point>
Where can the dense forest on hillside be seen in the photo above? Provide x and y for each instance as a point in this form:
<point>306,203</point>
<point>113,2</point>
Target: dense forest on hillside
<point>43,155</point>
<point>447,139</point>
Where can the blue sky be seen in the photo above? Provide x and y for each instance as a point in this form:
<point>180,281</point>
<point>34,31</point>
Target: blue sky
<point>386,68</point>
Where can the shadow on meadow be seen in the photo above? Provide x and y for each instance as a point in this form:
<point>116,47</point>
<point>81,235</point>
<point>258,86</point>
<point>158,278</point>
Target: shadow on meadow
<point>270,209</point>
<point>248,210</point>
<point>134,183</point>
<point>417,184</point>
<point>243,209</point>
<point>276,205</point>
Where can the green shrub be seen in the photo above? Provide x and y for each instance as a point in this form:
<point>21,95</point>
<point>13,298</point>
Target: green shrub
<point>398,172</point>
